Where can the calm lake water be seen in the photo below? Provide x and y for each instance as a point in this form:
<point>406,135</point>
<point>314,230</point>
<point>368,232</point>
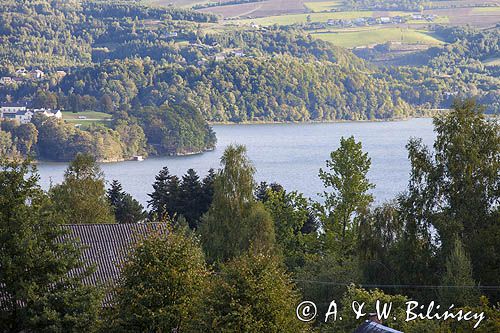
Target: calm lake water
<point>290,154</point>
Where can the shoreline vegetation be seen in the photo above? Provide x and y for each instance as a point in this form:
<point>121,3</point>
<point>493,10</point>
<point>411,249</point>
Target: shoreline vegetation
<point>198,152</point>
<point>334,121</point>
<point>430,115</point>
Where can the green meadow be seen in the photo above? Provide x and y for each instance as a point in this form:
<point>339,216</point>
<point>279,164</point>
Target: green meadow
<point>364,37</point>
<point>323,5</point>
<point>68,115</point>
<point>92,118</point>
<point>486,9</point>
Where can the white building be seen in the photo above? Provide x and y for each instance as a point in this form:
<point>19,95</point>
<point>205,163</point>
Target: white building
<point>24,115</point>
<point>36,74</point>
<point>6,80</point>
<point>21,71</point>
<point>48,113</point>
<point>385,20</point>
<point>238,53</point>
<point>11,108</point>
<point>220,57</point>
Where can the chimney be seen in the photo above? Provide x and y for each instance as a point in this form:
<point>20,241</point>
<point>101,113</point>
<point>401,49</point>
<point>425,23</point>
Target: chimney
<point>373,317</point>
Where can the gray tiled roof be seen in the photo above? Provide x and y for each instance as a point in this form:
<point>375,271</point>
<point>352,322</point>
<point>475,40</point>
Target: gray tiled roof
<point>105,246</point>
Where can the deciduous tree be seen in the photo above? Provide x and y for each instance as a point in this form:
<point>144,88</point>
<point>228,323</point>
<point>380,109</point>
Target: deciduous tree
<point>235,219</point>
<point>161,284</point>
<point>81,197</point>
<point>252,293</point>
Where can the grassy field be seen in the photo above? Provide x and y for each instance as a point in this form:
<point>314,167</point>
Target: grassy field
<point>365,37</point>
<point>486,10</point>
<point>323,5</point>
<point>92,118</point>
<point>90,115</point>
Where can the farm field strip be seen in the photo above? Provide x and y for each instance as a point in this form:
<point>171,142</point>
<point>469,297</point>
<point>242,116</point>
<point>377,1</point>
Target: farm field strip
<point>320,6</point>
<point>366,37</point>
<point>319,17</point>
<point>486,10</point>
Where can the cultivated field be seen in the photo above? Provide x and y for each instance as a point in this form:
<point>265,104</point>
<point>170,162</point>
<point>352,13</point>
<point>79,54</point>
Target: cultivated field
<point>480,16</point>
<point>303,18</point>
<point>260,9</point>
<point>461,3</point>
<point>481,13</point>
<point>322,6</point>
<point>368,36</point>
<point>489,10</point>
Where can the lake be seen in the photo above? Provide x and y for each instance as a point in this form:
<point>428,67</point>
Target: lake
<point>290,154</point>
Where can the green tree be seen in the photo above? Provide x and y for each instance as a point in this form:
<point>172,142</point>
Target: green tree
<point>235,220</point>
<point>458,286</point>
<point>81,197</point>
<point>491,323</point>
<point>7,149</point>
<point>125,207</point>
<point>252,293</point>
<point>290,213</point>
<point>207,187</point>
<point>160,284</point>
<point>26,136</point>
<point>165,197</point>
<point>106,104</point>
<point>395,320</point>
<point>190,198</point>
<point>37,292</point>
<point>455,190</point>
<point>346,178</point>
<point>380,229</point>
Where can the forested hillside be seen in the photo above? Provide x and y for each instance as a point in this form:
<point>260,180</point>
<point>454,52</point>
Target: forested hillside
<point>466,66</point>
<point>162,73</point>
<point>242,89</point>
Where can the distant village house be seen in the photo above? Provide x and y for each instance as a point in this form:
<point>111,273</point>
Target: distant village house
<point>23,114</point>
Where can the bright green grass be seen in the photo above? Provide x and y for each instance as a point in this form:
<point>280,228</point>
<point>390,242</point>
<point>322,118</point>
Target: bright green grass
<point>323,6</point>
<point>364,37</point>
<point>70,116</point>
<point>486,9</point>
